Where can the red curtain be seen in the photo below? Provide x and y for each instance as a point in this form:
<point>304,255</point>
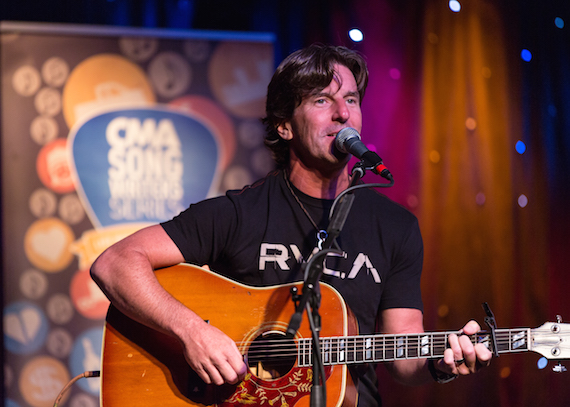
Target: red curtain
<point>448,100</point>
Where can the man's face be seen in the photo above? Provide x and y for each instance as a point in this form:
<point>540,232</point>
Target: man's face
<point>318,119</point>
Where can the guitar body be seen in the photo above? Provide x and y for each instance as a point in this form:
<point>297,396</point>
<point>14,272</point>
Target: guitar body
<point>142,367</point>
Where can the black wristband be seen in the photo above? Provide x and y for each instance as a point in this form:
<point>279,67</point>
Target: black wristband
<point>439,376</point>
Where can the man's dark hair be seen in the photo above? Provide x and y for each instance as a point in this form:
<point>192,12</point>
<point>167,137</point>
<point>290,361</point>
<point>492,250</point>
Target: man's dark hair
<point>305,72</point>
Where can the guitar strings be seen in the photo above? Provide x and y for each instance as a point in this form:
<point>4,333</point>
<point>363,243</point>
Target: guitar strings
<point>393,343</point>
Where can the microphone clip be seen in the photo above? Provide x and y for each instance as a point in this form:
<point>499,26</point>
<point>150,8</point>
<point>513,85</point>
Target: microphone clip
<point>372,161</point>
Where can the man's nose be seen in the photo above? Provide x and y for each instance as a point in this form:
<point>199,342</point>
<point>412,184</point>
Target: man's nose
<point>341,112</point>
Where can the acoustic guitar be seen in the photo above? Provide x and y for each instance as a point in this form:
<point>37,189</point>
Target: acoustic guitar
<point>142,367</point>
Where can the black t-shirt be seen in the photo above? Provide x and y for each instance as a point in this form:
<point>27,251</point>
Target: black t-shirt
<point>260,235</point>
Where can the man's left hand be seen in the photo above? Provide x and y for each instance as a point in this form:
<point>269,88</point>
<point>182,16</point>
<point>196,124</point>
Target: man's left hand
<point>462,357</point>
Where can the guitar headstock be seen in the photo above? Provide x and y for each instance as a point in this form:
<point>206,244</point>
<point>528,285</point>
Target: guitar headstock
<point>551,340</point>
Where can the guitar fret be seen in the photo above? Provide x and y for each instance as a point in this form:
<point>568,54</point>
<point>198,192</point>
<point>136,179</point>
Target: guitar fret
<point>326,349</point>
<point>413,349</point>
<point>400,347</point>
<point>368,346</point>
<point>439,344</point>
<point>359,351</point>
<point>389,347</point>
<point>349,349</point>
<point>334,351</point>
<point>486,340</point>
<point>424,345</point>
<point>378,349</point>
<point>305,350</point>
<point>518,340</point>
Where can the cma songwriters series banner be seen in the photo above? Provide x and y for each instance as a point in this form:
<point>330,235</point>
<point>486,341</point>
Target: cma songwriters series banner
<point>105,131</point>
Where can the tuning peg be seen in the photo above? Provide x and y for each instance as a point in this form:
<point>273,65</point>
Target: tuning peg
<point>559,368</point>
<point>559,318</point>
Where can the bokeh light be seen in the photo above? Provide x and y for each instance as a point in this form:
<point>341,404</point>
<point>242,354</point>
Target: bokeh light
<point>455,6</point>
<point>480,199</point>
<point>522,201</point>
<point>558,22</point>
<point>433,38</point>
<point>434,156</point>
<point>471,123</point>
<point>356,35</point>
<point>552,111</point>
<point>526,55</point>
<point>505,372</point>
<point>520,147</point>
<point>412,201</point>
<point>395,74</point>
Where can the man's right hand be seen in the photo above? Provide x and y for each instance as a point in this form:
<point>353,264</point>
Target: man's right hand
<point>213,355</point>
<point>125,273</point>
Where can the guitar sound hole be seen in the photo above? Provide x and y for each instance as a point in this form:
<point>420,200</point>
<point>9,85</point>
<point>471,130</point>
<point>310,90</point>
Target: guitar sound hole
<point>271,355</point>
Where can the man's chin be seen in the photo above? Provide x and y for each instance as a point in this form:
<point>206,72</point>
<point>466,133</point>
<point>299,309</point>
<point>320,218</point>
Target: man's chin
<point>340,157</point>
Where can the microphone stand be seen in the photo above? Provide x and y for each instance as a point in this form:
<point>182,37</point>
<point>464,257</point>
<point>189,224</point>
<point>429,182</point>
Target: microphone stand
<point>310,297</point>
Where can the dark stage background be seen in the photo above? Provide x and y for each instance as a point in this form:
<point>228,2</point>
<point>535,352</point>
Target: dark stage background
<point>471,111</point>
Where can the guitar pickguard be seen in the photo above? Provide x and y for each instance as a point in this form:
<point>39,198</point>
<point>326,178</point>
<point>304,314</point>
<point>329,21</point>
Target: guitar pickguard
<point>282,392</point>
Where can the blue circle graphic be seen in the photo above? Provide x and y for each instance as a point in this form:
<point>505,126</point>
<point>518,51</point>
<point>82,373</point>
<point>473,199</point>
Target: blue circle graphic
<point>25,327</point>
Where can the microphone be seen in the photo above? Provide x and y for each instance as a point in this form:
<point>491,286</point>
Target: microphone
<point>348,141</point>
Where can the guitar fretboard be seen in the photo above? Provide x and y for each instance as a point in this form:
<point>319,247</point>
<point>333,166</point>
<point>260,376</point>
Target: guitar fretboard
<point>384,348</point>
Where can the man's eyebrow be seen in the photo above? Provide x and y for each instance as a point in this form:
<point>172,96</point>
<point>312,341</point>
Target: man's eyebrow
<point>318,94</point>
<point>353,93</point>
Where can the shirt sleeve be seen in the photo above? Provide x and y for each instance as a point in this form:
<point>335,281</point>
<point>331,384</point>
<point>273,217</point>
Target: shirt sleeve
<point>403,287</point>
<point>203,230</point>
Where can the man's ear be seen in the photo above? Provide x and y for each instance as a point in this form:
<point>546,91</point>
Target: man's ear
<point>285,131</point>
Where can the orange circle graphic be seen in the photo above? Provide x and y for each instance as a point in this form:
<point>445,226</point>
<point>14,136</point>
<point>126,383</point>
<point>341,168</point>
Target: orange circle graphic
<point>87,297</point>
<point>46,244</point>
<point>41,381</point>
<point>239,83</point>
<point>52,166</point>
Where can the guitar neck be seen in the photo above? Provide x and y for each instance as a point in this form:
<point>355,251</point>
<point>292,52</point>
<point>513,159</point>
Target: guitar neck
<point>385,348</point>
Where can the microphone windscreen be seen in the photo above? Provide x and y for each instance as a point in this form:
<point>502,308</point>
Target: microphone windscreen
<point>343,136</point>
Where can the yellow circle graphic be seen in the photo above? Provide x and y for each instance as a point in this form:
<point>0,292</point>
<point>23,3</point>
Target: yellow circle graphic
<point>103,82</point>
